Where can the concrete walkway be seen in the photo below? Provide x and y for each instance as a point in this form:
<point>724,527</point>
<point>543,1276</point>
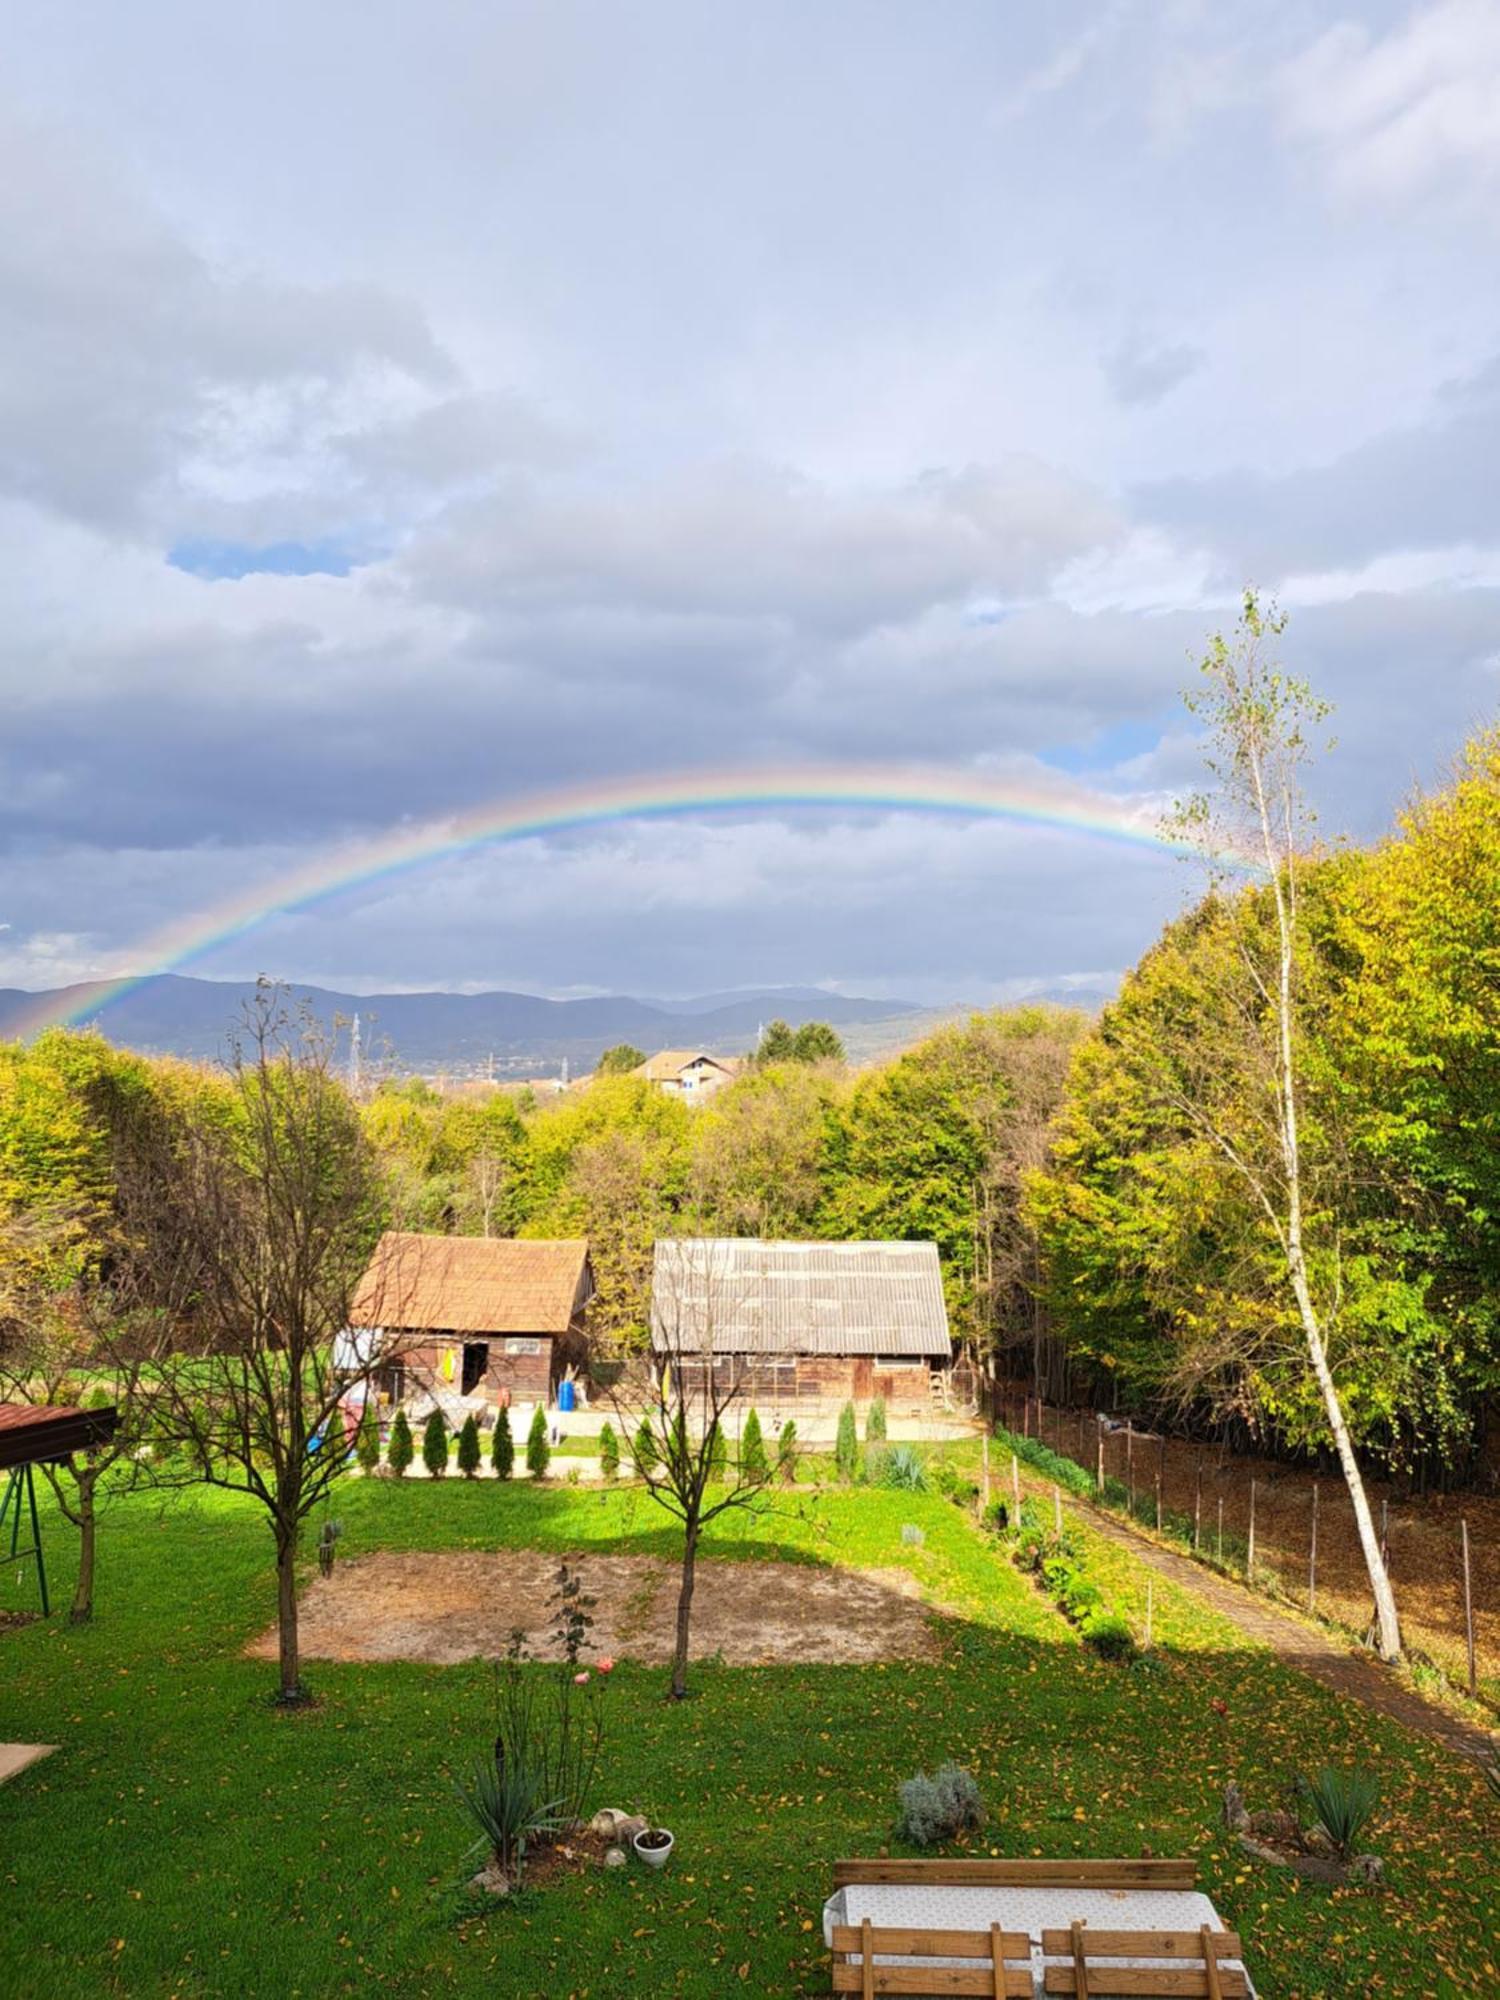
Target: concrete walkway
<point>1358,1675</point>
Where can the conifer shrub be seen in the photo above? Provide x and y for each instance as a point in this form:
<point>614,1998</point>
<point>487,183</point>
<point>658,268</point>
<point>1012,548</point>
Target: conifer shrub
<point>468,1447</point>
<point>718,1454</point>
<point>875,1420</point>
<point>786,1452</point>
<point>367,1440</point>
<point>644,1448</point>
<point>753,1461</point>
<point>609,1452</point>
<point>538,1451</point>
<point>400,1451</point>
<point>435,1445</point>
<point>503,1446</point>
<point>846,1444</point>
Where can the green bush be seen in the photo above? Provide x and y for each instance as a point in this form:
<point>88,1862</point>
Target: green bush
<point>718,1455</point>
<point>435,1445</point>
<point>874,1462</point>
<point>875,1420</point>
<point>538,1451</point>
<point>400,1451</point>
<point>367,1440</point>
<point>786,1452</point>
<point>903,1470</point>
<point>609,1452</point>
<point>846,1445</point>
<point>753,1461</point>
<point>503,1446</point>
<point>1342,1803</point>
<point>1108,1634</point>
<point>644,1449</point>
<point>940,1807</point>
<point>468,1447</point>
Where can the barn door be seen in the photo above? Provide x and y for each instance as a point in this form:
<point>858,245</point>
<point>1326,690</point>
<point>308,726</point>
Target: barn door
<point>864,1377</point>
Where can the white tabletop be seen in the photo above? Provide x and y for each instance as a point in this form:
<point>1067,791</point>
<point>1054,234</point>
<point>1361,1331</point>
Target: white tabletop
<point>954,1907</point>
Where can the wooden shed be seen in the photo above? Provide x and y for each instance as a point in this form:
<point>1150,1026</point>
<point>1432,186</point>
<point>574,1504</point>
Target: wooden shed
<point>803,1320</point>
<point>489,1316</point>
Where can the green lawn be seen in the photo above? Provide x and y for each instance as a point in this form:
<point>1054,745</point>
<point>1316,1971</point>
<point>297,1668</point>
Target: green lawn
<point>187,1840</point>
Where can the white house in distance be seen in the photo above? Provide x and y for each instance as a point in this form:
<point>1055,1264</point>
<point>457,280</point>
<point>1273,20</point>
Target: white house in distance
<point>692,1074</point>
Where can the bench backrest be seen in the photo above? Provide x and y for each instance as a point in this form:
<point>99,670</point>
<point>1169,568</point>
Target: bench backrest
<point>1093,1971</point>
<point>1002,1963</point>
<point>1027,1874</point>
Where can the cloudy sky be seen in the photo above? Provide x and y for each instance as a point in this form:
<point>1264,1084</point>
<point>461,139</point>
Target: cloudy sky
<point>407,407</point>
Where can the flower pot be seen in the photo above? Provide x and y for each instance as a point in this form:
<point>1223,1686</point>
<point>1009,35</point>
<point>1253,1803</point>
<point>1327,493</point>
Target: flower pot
<point>654,1857</point>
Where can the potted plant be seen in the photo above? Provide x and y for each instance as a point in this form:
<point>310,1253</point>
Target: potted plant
<point>653,1846</point>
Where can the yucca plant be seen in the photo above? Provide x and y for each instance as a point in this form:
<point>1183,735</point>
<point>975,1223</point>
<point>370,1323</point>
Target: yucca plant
<point>1342,1803</point>
<point>903,1470</point>
<point>505,1800</point>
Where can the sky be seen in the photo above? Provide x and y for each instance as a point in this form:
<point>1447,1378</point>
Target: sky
<point>406,408</point>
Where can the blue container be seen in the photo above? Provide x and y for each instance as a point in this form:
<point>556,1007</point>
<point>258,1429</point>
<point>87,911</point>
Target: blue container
<point>565,1395</point>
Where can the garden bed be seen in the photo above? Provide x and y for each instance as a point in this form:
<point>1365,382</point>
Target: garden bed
<point>444,1608</point>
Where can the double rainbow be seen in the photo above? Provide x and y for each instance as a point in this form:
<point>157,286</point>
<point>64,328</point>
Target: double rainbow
<point>878,788</point>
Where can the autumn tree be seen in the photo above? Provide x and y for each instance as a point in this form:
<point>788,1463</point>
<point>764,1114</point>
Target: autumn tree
<point>620,1060</point>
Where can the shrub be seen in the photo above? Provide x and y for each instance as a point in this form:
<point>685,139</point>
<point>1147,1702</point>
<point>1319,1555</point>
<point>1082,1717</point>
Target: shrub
<point>940,1807</point>
<point>1108,1634</point>
<point>786,1452</point>
<point>872,1468</point>
<point>468,1447</point>
<point>435,1445</point>
<point>367,1440</point>
<point>609,1452</point>
<point>538,1451</point>
<point>753,1461</point>
<point>400,1451</point>
<point>503,1446</point>
<point>718,1454</point>
<point>644,1449</point>
<point>903,1470</point>
<point>875,1420</point>
<point>1342,1803</point>
<point>846,1445</point>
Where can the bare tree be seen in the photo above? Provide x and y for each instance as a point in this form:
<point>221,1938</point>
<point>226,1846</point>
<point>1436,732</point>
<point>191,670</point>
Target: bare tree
<point>1242,1084</point>
<point>685,1460</point>
<point>257,1218</point>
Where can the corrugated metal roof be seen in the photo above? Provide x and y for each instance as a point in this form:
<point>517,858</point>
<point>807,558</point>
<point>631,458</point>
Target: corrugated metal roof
<point>744,1296</point>
<point>471,1284</point>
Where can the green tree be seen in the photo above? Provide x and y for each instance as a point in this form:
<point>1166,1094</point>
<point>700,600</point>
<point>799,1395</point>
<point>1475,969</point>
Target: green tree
<point>435,1445</point>
<point>620,1060</point>
<point>718,1453</point>
<point>367,1438</point>
<point>753,1461</point>
<point>538,1450</point>
<point>401,1449</point>
<point>503,1445</point>
<point>846,1444</point>
<point>643,1451</point>
<point>816,1042</point>
<point>609,1451</point>
<point>468,1447</point>
<point>786,1452</point>
<point>875,1420</point>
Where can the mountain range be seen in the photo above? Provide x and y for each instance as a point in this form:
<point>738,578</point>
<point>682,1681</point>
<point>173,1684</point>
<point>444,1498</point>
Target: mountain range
<point>462,1033</point>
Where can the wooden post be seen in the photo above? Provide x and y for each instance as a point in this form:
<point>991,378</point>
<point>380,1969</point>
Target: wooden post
<point>1250,1544</point>
<point>1130,1462</point>
<point>1057,1513</point>
<point>1197,1503</point>
<point>1312,1555</point>
<point>1221,1531</point>
<point>1099,1448</point>
<point>1469,1607</point>
<point>1149,1607</point>
<point>1015,1484</point>
<point>1158,1499</point>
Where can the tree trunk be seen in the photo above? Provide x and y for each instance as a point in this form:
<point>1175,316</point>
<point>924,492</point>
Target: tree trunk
<point>291,1690</point>
<point>82,1609</point>
<point>684,1613</point>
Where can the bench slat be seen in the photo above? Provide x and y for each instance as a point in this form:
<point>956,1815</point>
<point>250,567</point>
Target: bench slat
<point>910,1943</point>
<point>1155,1873</point>
<point>933,1979</point>
<point>1159,1982</point>
<point>1142,1944</point>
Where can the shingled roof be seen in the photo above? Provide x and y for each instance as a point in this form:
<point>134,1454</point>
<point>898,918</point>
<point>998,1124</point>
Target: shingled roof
<point>472,1284</point>
<point>750,1297</point>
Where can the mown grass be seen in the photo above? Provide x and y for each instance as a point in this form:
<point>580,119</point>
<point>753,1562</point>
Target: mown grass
<point>189,1840</point>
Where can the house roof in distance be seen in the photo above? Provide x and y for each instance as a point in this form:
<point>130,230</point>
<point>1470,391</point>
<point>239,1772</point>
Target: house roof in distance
<point>746,1296</point>
<point>471,1284</point>
<point>669,1063</point>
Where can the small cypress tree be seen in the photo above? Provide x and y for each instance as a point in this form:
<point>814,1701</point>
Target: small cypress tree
<point>753,1461</point>
<point>367,1440</point>
<point>875,1421</point>
<point>503,1449</point>
<point>609,1451</point>
<point>401,1450</point>
<point>718,1454</point>
<point>645,1447</point>
<point>846,1446</point>
<point>468,1447</point>
<point>435,1445</point>
<point>538,1451</point>
<point>786,1452</point>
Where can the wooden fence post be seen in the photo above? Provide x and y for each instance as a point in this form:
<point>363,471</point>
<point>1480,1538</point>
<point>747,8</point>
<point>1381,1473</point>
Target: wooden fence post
<point>984,1460</point>
<point>1130,1463</point>
<point>1099,1452</point>
<point>1312,1555</point>
<point>1197,1502</point>
<point>1250,1544</point>
<point>1221,1531</point>
<point>1149,1609</point>
<point>1158,1499</point>
<point>1469,1608</point>
<point>1015,1484</point>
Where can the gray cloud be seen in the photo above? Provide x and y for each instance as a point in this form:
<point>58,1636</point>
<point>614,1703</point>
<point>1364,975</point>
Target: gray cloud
<point>1142,371</point>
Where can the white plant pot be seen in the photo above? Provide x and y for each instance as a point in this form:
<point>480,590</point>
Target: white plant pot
<point>654,1857</point>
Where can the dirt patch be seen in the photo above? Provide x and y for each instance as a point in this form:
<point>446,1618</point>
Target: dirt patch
<point>442,1609</point>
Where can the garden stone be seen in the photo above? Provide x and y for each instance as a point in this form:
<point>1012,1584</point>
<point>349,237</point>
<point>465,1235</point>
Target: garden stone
<point>491,1881</point>
<point>1367,1868</point>
<point>615,1857</point>
<point>629,1827</point>
<point>1315,1839</point>
<point>1235,1816</point>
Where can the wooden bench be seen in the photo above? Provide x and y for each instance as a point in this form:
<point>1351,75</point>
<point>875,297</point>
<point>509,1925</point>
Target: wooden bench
<point>1093,1971</point>
<point>1003,1967</point>
<point>1023,1874</point>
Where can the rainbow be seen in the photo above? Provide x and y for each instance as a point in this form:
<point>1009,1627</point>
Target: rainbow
<point>964,794</point>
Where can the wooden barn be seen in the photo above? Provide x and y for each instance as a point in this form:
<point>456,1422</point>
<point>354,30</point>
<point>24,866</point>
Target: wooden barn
<point>496,1317</point>
<point>799,1321</point>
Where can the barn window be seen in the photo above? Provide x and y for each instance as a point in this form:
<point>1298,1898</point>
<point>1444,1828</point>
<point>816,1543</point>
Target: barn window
<point>523,1346</point>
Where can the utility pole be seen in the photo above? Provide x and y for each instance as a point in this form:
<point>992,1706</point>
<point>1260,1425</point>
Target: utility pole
<point>354,1057</point>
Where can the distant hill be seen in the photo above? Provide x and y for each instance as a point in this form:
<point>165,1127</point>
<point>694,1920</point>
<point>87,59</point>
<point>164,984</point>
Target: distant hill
<point>454,1032</point>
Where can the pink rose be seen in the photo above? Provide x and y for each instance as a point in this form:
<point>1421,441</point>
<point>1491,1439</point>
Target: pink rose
<point>580,1680</point>
<point>606,1665</point>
